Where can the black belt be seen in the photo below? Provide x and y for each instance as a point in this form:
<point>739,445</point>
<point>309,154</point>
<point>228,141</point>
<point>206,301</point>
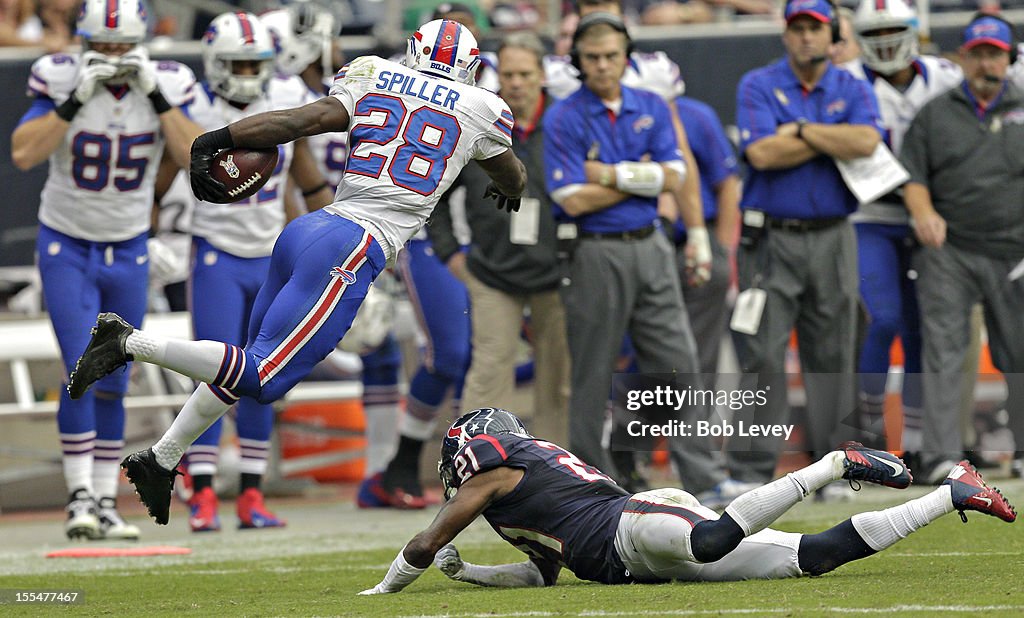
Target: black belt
<point>638,234</point>
<point>803,225</point>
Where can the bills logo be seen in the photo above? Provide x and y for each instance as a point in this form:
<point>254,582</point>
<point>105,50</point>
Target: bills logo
<point>347,276</point>
<point>1015,116</point>
<point>642,123</point>
<point>229,166</point>
<point>836,107</point>
<point>984,30</point>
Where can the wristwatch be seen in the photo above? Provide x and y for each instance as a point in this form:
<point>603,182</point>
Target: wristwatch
<point>800,124</point>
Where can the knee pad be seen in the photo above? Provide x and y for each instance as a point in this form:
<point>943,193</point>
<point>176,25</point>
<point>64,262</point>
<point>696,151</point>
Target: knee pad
<point>712,539</point>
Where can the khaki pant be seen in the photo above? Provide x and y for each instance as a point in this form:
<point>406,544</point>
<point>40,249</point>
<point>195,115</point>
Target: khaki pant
<point>497,321</point>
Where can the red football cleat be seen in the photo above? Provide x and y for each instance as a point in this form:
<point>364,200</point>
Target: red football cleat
<point>252,513</point>
<point>203,516</point>
<point>970,493</point>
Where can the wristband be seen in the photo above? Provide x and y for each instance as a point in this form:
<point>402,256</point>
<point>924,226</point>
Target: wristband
<point>214,141</point>
<point>159,102</point>
<point>320,187</point>
<point>800,128</point>
<point>66,111</point>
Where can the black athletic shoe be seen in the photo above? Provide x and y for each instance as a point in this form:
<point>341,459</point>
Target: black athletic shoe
<point>104,354</point>
<point>152,483</point>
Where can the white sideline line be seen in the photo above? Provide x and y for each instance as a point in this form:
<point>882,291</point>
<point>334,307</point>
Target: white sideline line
<point>756,610</point>
<point>954,554</point>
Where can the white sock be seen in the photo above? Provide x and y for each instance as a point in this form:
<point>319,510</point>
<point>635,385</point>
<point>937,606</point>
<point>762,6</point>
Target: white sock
<point>381,435</point>
<point>882,529</point>
<point>416,428</point>
<point>202,459</point>
<point>254,456</point>
<point>106,468</point>
<point>757,509</point>
<point>78,472</point>
<point>196,416</point>
<point>199,360</point>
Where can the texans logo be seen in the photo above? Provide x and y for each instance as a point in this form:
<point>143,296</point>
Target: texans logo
<point>347,276</point>
<point>229,166</point>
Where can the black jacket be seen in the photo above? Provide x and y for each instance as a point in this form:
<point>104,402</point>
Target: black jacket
<point>493,259</point>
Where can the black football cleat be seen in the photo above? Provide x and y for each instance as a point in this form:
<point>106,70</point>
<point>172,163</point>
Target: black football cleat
<point>153,483</point>
<point>104,354</point>
<point>874,466</point>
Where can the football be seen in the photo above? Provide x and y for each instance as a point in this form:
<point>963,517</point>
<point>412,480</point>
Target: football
<point>243,170</point>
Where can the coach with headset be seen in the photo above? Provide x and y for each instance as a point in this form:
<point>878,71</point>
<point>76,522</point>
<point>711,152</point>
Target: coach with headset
<point>797,259</point>
<point>966,198</point>
<point>609,151</point>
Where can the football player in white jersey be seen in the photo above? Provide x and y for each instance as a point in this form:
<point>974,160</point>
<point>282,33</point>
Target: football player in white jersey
<point>232,244</point>
<point>412,129</point>
<point>102,118</point>
<point>903,81</point>
<point>306,39</point>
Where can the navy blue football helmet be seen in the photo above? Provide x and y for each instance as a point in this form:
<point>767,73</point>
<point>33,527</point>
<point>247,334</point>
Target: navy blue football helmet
<point>490,421</point>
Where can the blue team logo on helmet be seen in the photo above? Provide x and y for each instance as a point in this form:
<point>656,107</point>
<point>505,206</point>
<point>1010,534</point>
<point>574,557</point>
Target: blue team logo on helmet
<point>490,421</point>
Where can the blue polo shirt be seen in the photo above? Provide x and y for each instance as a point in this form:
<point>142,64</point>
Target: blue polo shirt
<point>580,127</point>
<point>715,157</point>
<point>772,95</point>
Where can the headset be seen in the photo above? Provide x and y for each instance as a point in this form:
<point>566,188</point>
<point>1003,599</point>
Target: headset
<point>833,25</point>
<point>593,19</point>
<point>1013,31</point>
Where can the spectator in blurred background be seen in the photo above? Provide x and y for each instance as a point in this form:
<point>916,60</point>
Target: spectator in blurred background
<point>20,26</point>
<point>512,263</point>
<point>797,256</point>
<point>903,82</point>
<point>966,199</point>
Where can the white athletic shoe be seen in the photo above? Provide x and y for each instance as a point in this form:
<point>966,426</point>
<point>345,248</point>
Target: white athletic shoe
<point>83,522</point>
<point>112,525</point>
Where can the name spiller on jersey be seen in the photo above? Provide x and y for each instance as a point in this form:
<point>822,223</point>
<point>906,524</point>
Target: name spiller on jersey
<point>407,84</point>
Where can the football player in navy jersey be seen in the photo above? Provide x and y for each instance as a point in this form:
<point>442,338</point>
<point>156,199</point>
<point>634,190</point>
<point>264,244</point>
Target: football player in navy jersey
<point>491,466</point>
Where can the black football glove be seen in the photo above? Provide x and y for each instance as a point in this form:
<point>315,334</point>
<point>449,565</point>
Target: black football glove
<point>204,148</point>
<point>509,203</point>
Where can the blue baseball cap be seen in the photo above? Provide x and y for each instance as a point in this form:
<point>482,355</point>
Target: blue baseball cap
<point>988,31</point>
<point>818,9</point>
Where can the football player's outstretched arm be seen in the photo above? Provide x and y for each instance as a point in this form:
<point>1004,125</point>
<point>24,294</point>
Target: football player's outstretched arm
<point>469,502</point>
<point>531,573</point>
<point>326,115</point>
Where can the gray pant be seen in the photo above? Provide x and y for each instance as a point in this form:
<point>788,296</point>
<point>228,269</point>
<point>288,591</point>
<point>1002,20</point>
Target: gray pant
<point>705,305</point>
<point>950,281</point>
<point>618,287</point>
<point>811,283</point>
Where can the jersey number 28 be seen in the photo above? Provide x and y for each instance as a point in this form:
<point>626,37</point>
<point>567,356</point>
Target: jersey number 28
<point>428,137</point>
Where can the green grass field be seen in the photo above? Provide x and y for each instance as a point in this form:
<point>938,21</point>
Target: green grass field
<point>331,550</point>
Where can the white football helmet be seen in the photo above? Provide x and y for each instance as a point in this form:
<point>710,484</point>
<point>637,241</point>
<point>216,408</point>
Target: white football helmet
<point>112,21</point>
<point>237,37</point>
<point>444,48</point>
<point>303,33</point>
<point>886,53</point>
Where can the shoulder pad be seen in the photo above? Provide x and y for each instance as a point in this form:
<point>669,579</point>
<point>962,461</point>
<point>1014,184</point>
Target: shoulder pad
<point>53,76</point>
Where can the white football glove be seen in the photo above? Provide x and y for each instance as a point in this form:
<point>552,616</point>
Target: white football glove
<point>95,69</point>
<point>698,256</point>
<point>139,71</point>
<point>448,560</point>
<point>164,262</point>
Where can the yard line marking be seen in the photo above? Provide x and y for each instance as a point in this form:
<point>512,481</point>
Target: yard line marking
<point>754,610</point>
